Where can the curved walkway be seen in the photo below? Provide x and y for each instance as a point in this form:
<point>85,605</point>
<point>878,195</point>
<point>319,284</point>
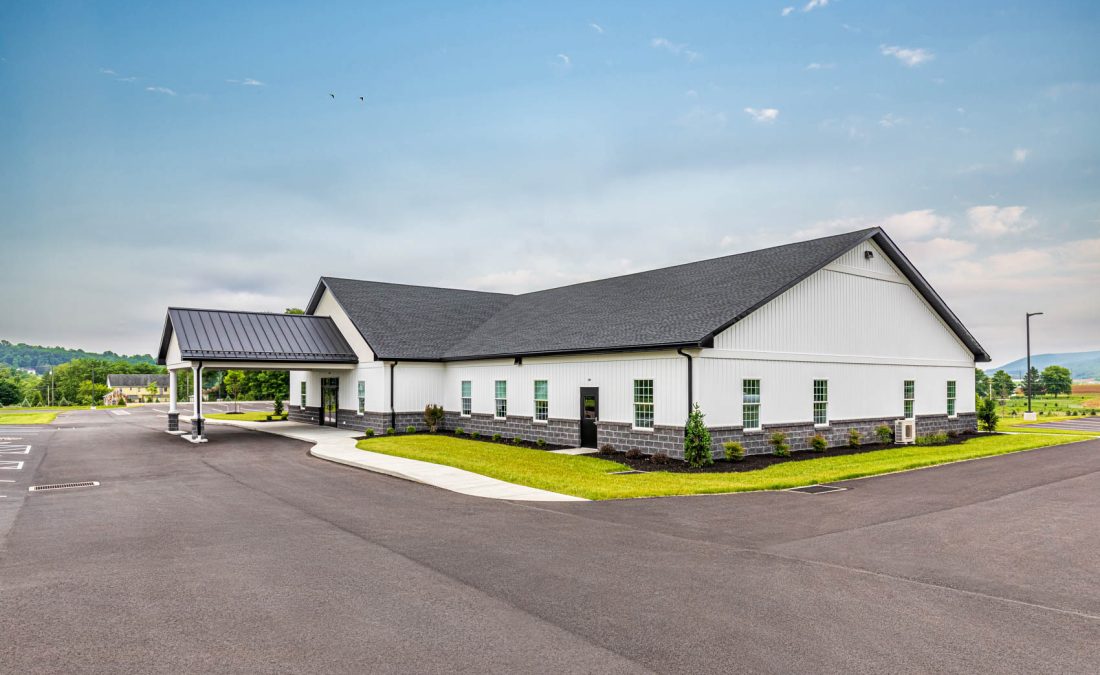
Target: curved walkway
<point>338,445</point>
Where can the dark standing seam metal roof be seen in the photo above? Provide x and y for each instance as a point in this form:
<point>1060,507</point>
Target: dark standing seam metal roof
<point>681,306</point>
<point>137,380</point>
<point>216,335</point>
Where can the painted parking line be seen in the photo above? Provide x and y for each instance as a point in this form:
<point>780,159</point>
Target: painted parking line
<point>15,449</point>
<point>119,412</point>
<point>10,465</point>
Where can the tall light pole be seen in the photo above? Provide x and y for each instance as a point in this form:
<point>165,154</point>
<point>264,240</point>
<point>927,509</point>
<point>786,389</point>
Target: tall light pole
<point>1028,376</point>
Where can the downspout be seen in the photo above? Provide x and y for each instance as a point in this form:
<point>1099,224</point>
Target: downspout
<point>680,351</point>
<point>393,411</point>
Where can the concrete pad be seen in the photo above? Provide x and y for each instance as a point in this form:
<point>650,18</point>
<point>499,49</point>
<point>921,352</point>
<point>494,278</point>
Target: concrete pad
<point>575,451</point>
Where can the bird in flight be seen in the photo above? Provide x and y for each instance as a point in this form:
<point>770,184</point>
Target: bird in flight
<point>360,98</point>
<point>332,95</point>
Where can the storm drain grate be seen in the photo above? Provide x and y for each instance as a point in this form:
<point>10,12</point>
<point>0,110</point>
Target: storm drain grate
<point>817,489</point>
<point>63,486</point>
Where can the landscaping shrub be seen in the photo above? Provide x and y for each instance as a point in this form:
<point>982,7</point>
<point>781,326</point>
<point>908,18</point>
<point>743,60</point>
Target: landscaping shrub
<point>779,442</point>
<point>277,405</point>
<point>475,434</point>
<point>496,437</point>
<point>660,458</point>
<point>952,434</point>
<point>931,439</point>
<point>987,415</point>
<point>735,452</point>
<point>607,449</point>
<point>433,416</point>
<point>368,432</point>
<point>390,431</point>
<point>854,438</point>
<point>410,429</point>
<point>885,433</point>
<point>697,444</point>
<point>633,453</point>
<point>541,442</point>
<point>818,443</point>
<point>459,431</point>
<point>517,440</point>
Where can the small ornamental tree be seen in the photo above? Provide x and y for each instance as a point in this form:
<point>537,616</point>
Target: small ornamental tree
<point>234,383</point>
<point>987,414</point>
<point>278,406</point>
<point>697,452</point>
<point>433,416</point>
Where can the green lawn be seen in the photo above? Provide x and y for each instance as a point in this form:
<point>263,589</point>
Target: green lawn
<point>588,476</point>
<point>54,408</point>
<point>26,418</point>
<point>243,417</point>
<point>1048,405</point>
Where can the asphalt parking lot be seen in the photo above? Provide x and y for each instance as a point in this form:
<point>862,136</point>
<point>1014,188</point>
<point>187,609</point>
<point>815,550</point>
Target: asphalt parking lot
<point>245,554</point>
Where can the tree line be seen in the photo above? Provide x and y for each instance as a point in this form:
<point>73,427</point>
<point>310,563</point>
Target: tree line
<point>1054,380</point>
<point>42,358</point>
<point>83,381</point>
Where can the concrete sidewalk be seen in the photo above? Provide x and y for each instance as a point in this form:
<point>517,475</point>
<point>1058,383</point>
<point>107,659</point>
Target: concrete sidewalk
<point>338,445</point>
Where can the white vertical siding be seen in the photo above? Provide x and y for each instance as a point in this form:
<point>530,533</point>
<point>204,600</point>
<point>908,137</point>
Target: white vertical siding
<point>613,374</point>
<point>839,313</point>
<point>415,385</point>
<point>856,390</point>
<point>327,306</point>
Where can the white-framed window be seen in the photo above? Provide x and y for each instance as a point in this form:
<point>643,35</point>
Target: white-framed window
<point>750,404</point>
<point>643,404</point>
<point>821,402</point>
<point>501,388</point>
<point>362,397</point>
<point>467,398</point>
<point>951,398</point>
<point>303,393</point>
<point>908,396</point>
<point>542,400</point>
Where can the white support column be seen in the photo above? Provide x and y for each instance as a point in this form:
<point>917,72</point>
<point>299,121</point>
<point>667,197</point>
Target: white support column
<point>196,390</point>
<point>172,386</point>
<point>197,431</point>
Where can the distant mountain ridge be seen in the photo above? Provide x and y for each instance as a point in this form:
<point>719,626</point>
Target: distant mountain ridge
<point>1083,365</point>
<point>43,358</point>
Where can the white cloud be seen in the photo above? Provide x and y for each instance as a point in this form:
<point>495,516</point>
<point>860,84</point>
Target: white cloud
<point>908,226</point>
<point>107,71</point>
<point>675,48</point>
<point>820,66</point>
<point>566,62</point>
<point>597,27</point>
<point>1019,155</point>
<point>890,120</point>
<point>996,221</point>
<point>940,248</point>
<point>786,11</point>
<point>161,90</point>
<point>767,115</point>
<point>907,55</point>
<point>815,4</point>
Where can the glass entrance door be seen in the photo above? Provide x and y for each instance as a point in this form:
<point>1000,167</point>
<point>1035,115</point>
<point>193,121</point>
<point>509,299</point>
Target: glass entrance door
<point>590,414</point>
<point>330,400</point>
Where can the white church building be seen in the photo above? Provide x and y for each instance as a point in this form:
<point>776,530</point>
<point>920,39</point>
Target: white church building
<point>821,336</point>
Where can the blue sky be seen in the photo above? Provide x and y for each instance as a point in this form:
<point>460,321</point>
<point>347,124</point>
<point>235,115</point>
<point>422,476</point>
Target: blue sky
<point>153,154</point>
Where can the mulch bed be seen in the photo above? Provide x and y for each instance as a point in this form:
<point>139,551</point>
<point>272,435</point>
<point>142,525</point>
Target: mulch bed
<point>756,462</point>
<point>468,437</point>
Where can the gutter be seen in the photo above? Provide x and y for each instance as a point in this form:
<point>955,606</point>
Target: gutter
<point>691,368</point>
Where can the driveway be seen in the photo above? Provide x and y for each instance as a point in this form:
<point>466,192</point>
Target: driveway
<point>247,555</point>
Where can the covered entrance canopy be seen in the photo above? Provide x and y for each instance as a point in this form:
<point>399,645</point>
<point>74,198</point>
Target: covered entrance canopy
<point>206,338</point>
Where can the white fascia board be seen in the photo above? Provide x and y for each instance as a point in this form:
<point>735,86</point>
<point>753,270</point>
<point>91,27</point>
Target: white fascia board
<point>829,358</point>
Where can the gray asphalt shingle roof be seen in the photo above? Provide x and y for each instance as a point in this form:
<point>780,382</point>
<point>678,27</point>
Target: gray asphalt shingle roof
<point>683,305</point>
<point>218,335</point>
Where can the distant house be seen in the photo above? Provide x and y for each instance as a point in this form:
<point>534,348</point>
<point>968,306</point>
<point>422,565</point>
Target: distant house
<point>816,337</point>
<point>135,388</point>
